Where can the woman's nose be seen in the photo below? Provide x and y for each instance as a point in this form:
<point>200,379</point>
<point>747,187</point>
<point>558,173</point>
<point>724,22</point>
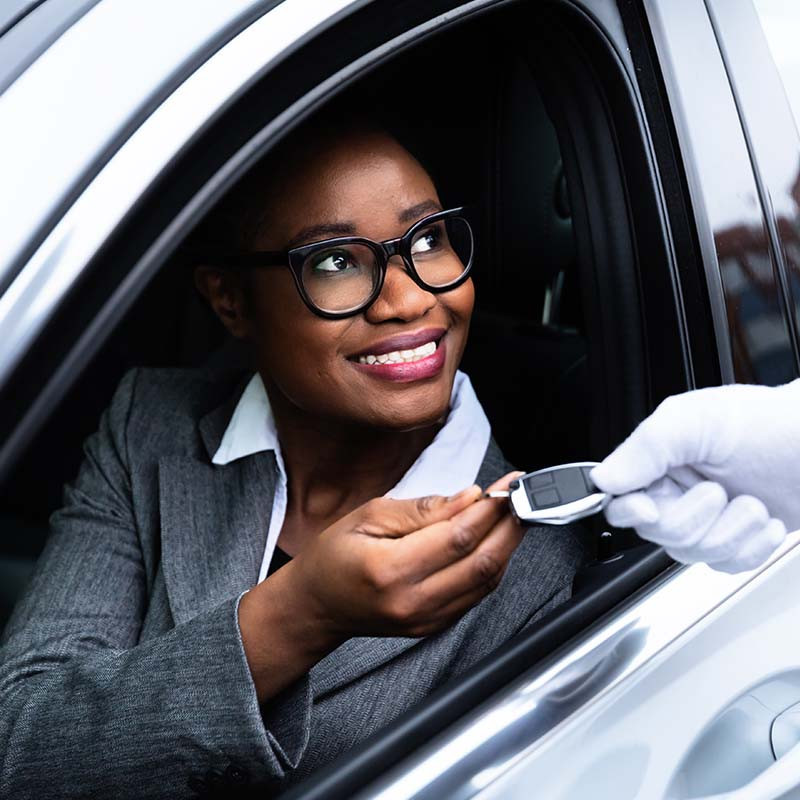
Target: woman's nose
<point>400,297</point>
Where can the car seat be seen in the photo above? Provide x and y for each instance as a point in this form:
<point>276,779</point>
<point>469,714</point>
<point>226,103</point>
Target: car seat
<point>527,354</point>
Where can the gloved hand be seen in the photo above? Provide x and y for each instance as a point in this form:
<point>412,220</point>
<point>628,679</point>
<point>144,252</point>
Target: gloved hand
<point>711,475</point>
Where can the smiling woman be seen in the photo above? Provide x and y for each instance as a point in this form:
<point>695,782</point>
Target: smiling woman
<point>302,543</point>
<point>361,187</point>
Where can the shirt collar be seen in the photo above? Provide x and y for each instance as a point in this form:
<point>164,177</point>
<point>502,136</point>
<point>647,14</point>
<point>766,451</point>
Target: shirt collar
<point>449,463</point>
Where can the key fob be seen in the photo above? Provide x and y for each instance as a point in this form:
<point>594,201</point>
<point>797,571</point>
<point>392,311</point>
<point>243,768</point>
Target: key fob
<point>557,495</point>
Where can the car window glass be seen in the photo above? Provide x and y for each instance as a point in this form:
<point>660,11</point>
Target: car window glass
<point>770,124</point>
<point>780,151</point>
<point>779,21</point>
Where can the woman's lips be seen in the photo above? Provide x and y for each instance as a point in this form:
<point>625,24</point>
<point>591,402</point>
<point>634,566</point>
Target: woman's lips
<point>414,369</point>
<point>400,342</point>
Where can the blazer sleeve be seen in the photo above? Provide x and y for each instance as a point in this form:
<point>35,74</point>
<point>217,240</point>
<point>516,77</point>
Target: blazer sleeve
<point>86,710</point>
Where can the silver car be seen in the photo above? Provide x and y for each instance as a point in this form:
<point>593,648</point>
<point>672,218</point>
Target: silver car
<point>635,166</point>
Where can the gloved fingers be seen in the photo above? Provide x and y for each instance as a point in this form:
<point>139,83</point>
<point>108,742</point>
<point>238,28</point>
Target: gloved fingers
<point>757,550</point>
<point>740,522</point>
<point>685,476</point>
<point>631,510</point>
<point>672,436</point>
<point>685,519</point>
<point>642,508</point>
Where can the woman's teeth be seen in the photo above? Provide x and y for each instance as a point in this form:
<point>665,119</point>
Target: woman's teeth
<point>400,356</point>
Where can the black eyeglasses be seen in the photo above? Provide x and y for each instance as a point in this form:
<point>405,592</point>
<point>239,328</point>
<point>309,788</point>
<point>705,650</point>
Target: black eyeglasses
<point>341,277</point>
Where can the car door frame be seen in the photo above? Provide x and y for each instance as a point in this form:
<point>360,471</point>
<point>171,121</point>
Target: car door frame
<point>39,277</point>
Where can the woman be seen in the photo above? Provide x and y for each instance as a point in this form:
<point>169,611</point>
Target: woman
<point>154,653</point>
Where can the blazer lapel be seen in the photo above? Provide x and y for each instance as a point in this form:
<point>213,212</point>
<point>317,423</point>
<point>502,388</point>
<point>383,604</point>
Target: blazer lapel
<point>214,523</point>
<point>214,520</point>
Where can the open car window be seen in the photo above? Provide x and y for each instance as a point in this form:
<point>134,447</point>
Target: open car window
<point>578,332</point>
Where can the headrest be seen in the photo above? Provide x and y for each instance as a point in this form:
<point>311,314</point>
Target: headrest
<point>533,226</point>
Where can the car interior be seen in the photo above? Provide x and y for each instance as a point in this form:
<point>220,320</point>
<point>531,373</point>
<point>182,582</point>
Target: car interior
<point>527,347</point>
<point>555,350</point>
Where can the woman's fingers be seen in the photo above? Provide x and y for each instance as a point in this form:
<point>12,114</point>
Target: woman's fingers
<point>464,582</point>
<point>368,572</point>
<point>437,546</point>
<point>503,483</point>
<point>388,518</point>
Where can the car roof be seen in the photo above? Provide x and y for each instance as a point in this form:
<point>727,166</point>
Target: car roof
<point>79,85</point>
<point>29,27</point>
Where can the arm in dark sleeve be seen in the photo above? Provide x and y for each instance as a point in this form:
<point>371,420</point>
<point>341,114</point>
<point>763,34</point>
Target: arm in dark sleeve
<point>85,709</point>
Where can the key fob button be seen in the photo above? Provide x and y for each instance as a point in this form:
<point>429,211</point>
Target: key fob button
<point>546,498</point>
<point>537,481</point>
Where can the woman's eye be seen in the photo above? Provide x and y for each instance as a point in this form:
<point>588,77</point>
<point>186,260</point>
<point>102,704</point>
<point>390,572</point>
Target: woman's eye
<point>426,241</point>
<point>333,262</point>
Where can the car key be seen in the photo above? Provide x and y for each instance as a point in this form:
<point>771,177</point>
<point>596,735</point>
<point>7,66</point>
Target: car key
<point>556,495</point>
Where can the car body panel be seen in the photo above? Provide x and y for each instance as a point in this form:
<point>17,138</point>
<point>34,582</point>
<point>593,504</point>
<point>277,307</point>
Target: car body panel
<point>513,741</point>
<point>605,705</point>
<point>638,740</point>
<point>26,35</point>
<point>94,100</point>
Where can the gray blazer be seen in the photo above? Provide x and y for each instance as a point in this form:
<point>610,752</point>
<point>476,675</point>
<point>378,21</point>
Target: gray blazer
<point>122,671</point>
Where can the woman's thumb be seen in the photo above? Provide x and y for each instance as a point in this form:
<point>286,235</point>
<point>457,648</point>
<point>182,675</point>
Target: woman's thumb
<point>435,508</point>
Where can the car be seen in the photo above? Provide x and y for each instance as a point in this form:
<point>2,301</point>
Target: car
<point>634,173</point>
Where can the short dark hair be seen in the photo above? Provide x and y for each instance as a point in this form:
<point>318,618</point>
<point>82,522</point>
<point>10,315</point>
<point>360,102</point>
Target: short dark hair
<point>237,219</point>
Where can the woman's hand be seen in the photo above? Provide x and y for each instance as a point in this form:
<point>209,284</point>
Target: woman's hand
<point>389,568</point>
<point>407,567</point>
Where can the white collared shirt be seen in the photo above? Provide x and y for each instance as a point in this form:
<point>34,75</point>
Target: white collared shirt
<point>447,465</point>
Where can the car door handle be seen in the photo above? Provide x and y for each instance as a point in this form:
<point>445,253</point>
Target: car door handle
<point>773,782</point>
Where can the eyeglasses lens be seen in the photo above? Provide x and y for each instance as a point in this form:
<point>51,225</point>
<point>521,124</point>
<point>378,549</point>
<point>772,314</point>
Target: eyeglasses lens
<point>442,251</point>
<point>341,278</point>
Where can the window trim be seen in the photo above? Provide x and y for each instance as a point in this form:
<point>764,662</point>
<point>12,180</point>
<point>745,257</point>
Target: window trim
<point>682,33</point>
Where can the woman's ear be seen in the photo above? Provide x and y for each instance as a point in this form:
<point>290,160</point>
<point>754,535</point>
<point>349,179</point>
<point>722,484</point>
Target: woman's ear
<point>224,292</point>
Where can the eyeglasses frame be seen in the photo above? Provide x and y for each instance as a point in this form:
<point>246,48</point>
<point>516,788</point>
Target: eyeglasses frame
<point>295,257</point>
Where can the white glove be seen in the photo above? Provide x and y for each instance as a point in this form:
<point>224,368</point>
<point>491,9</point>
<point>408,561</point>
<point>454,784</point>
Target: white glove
<point>692,454</point>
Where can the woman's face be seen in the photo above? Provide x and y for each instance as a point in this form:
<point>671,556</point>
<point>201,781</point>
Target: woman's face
<point>365,184</point>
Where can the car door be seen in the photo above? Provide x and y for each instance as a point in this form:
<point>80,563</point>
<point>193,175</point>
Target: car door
<point>95,225</point>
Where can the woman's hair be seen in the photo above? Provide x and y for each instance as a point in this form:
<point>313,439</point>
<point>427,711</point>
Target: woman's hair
<point>236,221</point>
